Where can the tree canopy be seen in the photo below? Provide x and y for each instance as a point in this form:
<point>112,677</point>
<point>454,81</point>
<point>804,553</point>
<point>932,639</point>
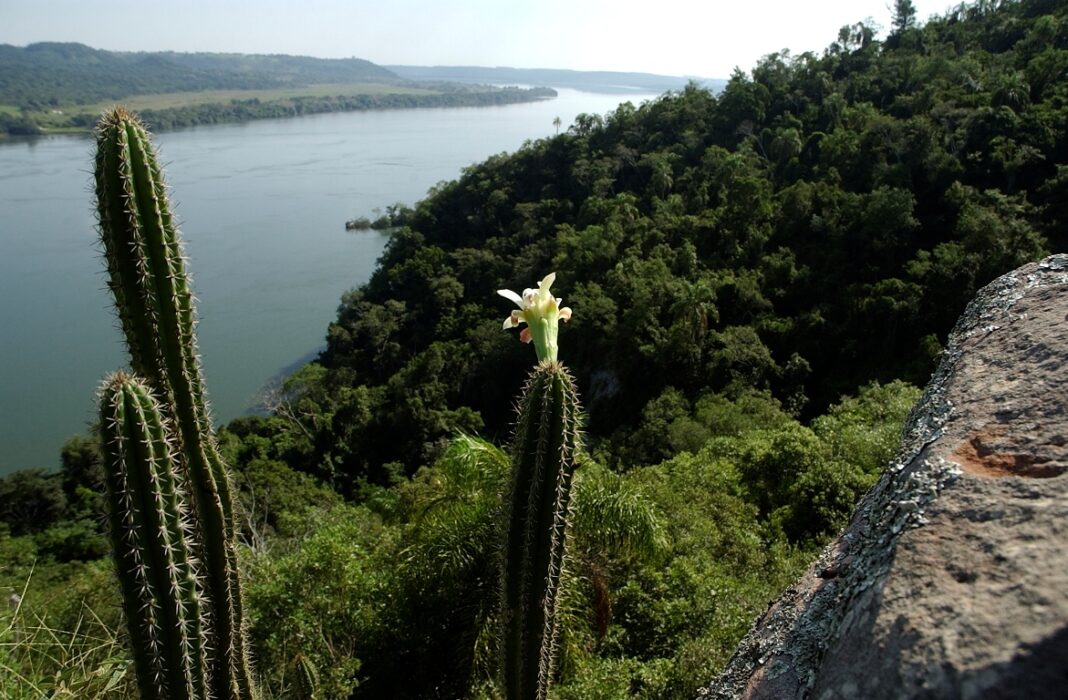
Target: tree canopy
<point>817,225</point>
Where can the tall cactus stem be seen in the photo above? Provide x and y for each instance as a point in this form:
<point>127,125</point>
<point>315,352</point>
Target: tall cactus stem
<point>150,536</point>
<point>155,307</point>
<point>544,461</point>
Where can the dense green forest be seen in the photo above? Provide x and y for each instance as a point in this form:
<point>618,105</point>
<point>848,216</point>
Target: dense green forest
<point>760,279</point>
<point>64,86</point>
<point>817,226</point>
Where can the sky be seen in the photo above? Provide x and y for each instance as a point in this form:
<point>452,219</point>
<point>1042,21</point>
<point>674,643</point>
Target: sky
<point>701,38</point>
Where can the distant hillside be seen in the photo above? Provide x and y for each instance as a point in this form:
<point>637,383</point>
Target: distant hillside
<point>52,74</point>
<point>57,87</point>
<point>591,81</point>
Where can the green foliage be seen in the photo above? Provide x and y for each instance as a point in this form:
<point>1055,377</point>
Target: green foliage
<point>668,563</point>
<point>416,587</point>
<point>738,519</point>
<point>611,518</point>
<point>276,500</point>
<point>319,602</point>
<point>807,480</point>
<point>671,424</point>
<point>709,524</point>
<point>31,500</point>
<point>83,476</point>
<point>72,540</point>
<point>614,678</point>
<point>865,430</point>
<point>714,571</point>
<point>904,17</point>
<point>63,512</point>
<point>413,591</point>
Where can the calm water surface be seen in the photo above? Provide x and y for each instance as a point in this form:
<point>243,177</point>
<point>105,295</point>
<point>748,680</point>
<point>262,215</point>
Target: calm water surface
<point>262,207</point>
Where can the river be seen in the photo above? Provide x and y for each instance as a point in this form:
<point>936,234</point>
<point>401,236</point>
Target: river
<point>262,207</point>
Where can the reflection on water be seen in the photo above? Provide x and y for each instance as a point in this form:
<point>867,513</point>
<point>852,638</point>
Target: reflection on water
<point>262,207</point>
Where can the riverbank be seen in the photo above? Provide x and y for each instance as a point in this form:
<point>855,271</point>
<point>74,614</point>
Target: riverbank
<point>180,110</point>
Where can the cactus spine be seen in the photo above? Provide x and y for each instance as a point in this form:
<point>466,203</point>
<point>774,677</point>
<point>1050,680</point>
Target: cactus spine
<point>543,467</point>
<point>150,537</point>
<point>155,307</point>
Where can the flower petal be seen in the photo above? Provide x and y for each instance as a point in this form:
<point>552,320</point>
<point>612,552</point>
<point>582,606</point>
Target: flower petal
<point>565,313</point>
<point>525,335</point>
<point>547,282</point>
<point>514,319</point>
<point>511,296</point>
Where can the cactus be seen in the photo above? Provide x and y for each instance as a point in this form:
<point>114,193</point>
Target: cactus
<point>307,683</point>
<point>543,468</point>
<point>155,307</point>
<point>150,536</point>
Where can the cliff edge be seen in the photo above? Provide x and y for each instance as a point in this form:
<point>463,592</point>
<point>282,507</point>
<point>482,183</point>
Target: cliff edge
<point>951,579</point>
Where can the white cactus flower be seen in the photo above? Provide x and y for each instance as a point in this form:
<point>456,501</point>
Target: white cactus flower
<point>541,311</point>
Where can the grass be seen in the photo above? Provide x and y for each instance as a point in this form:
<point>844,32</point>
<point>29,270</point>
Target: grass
<point>38,660</point>
<point>171,100</point>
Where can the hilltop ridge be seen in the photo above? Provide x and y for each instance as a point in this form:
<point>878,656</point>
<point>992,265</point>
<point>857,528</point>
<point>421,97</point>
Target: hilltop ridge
<point>54,73</point>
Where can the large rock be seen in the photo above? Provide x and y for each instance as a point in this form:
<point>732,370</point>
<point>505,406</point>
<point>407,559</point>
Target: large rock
<point>951,580</point>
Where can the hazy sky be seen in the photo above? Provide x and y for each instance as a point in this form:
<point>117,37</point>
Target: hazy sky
<point>676,37</point>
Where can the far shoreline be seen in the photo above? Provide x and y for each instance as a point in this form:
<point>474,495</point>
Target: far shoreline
<point>253,108</point>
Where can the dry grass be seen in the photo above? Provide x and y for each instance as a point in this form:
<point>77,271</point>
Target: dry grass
<point>184,99</point>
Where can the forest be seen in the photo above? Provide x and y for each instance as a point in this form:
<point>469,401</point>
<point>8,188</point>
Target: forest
<point>761,281</point>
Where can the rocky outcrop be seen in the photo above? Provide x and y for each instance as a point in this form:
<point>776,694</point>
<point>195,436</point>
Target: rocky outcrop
<point>951,580</point>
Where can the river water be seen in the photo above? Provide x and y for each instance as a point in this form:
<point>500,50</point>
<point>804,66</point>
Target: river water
<point>262,207</point>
